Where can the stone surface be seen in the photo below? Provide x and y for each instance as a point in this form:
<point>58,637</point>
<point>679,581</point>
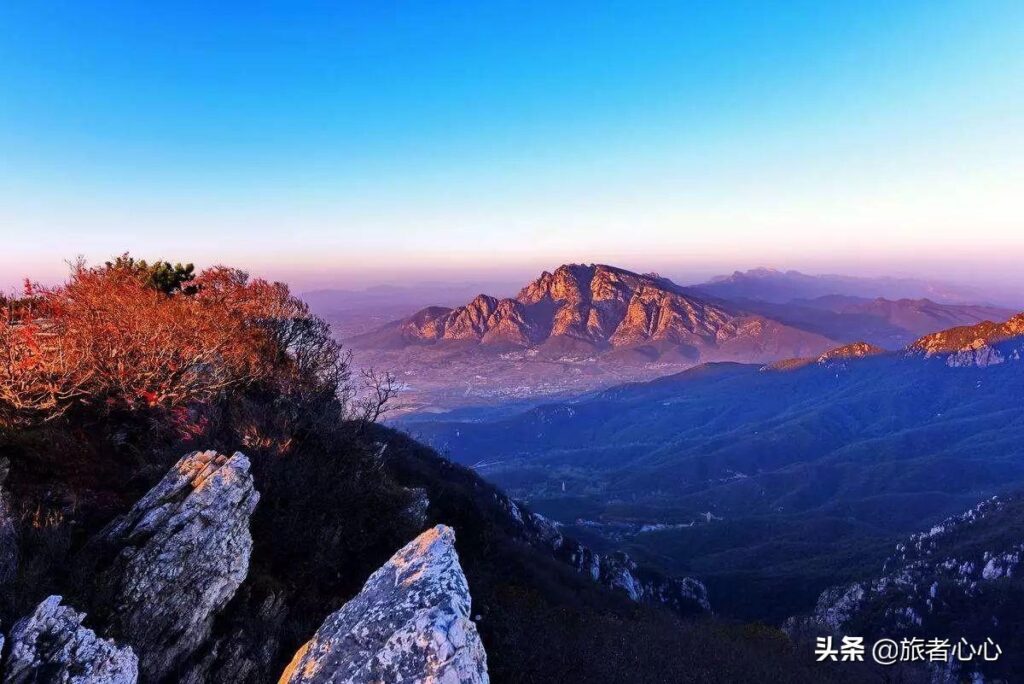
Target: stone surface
<point>410,623</point>
<point>51,645</point>
<point>183,552</point>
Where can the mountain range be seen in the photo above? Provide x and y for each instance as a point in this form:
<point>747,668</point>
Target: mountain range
<point>780,287</point>
<point>767,482</point>
<point>584,327</point>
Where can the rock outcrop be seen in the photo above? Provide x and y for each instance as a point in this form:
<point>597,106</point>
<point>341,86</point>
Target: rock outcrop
<point>51,645</point>
<point>181,553</point>
<point>617,571</point>
<point>410,623</point>
<point>960,577</point>
<point>973,345</point>
<point>857,350</point>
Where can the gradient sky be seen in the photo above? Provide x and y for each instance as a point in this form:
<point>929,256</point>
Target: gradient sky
<point>352,143</point>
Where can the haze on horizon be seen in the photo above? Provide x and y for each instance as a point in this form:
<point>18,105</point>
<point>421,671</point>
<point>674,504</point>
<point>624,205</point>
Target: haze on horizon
<point>351,145</point>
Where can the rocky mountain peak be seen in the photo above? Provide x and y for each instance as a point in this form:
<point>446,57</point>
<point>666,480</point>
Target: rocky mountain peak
<point>603,307</point>
<point>410,622</point>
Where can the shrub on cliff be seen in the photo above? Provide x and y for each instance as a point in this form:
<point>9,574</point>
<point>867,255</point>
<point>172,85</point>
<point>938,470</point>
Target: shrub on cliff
<point>125,337</point>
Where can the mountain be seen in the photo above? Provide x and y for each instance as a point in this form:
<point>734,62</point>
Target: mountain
<point>586,327</point>
<point>888,323</point>
<point>354,312</point>
<point>974,344</point>
<point>959,579</point>
<point>578,328</point>
<point>279,526</point>
<point>770,285</point>
<point>594,308</point>
<point>765,485</point>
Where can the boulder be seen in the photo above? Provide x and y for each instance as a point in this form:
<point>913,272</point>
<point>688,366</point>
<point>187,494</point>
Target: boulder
<point>181,553</point>
<point>51,645</point>
<point>410,623</point>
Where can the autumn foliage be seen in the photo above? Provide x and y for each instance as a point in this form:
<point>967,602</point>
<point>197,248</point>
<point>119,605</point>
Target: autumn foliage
<point>110,340</point>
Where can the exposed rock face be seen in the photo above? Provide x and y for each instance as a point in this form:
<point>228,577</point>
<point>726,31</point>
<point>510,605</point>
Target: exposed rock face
<point>970,344</point>
<point>8,532</point>
<point>857,350</point>
<point>961,577</point>
<point>183,552</point>
<point>51,645</point>
<point>981,356</point>
<point>617,571</point>
<point>410,623</point>
<point>602,307</point>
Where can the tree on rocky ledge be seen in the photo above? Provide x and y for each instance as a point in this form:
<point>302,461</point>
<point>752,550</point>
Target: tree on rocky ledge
<point>121,337</point>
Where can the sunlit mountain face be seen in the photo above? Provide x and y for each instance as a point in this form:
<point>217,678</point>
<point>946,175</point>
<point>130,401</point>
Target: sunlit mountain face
<point>586,327</point>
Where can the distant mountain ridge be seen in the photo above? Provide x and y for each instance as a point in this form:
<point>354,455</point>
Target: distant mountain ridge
<point>780,287</point>
<point>596,308</point>
<point>888,323</point>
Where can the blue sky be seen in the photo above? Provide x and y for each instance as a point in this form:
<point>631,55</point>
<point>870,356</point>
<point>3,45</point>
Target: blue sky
<point>364,142</point>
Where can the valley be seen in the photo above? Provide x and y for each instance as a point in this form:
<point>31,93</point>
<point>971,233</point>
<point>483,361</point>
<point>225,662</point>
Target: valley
<point>768,482</point>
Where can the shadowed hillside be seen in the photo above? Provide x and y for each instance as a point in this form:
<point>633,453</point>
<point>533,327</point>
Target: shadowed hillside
<point>766,482</point>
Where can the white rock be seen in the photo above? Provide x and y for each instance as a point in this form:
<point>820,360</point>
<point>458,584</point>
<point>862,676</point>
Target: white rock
<point>51,645</point>
<point>410,623</point>
<point>185,550</point>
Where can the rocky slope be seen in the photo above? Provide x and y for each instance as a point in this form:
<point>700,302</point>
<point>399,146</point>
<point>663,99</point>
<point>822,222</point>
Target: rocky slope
<point>984,344</point>
<point>959,579</point>
<point>857,350</point>
<point>411,622</point>
<point>616,571</point>
<point>598,308</point>
<point>540,617</point>
<point>181,553</point>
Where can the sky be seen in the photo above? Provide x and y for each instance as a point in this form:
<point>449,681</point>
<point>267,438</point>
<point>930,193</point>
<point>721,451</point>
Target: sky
<point>347,143</point>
